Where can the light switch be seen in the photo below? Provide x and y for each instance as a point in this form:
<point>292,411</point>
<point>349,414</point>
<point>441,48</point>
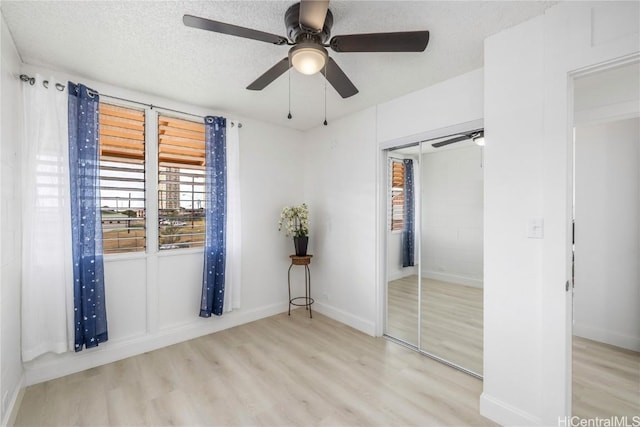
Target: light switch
<point>535,228</point>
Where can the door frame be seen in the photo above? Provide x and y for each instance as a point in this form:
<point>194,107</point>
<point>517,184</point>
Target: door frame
<point>571,77</point>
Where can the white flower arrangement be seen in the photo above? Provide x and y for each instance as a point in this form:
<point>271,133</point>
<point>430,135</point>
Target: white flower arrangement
<point>295,220</point>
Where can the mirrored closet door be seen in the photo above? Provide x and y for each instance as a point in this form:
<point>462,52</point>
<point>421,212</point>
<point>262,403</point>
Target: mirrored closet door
<point>434,298</point>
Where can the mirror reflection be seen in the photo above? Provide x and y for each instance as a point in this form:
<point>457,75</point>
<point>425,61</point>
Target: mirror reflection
<point>402,269</point>
<point>435,248</point>
<point>452,207</point>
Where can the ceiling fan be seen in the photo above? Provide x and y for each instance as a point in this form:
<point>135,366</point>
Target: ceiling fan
<point>308,26</point>
<point>476,136</point>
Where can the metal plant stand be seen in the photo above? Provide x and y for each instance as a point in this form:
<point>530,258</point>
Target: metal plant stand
<point>307,300</point>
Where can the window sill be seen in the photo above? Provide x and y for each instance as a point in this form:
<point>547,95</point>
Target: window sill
<point>181,251</point>
<point>144,255</point>
<point>124,256</point>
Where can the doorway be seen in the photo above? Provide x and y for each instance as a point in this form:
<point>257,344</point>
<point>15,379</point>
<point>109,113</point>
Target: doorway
<point>606,214</point>
<point>434,248</point>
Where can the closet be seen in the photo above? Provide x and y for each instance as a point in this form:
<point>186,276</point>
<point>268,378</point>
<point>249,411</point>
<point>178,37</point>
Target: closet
<point>434,248</point>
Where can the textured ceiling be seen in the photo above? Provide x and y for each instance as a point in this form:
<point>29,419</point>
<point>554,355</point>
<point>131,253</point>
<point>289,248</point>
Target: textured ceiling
<point>143,45</point>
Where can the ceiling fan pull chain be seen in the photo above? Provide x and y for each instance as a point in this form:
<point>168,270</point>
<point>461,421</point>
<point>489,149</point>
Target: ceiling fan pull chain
<point>289,116</point>
<point>325,94</point>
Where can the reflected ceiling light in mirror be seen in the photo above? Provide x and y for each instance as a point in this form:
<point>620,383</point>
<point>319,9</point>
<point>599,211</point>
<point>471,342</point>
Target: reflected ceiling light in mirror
<point>479,139</point>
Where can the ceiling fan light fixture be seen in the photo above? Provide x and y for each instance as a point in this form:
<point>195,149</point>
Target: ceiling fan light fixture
<point>308,58</point>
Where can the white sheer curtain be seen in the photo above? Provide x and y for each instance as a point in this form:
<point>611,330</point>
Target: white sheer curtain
<point>47,298</point>
<point>233,236</point>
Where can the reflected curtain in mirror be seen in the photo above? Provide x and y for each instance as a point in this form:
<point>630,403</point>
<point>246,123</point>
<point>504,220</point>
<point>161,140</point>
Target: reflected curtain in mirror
<point>408,238</point>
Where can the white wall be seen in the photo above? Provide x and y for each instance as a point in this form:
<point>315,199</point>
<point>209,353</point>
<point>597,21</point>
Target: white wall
<point>395,270</point>
<point>345,185</point>
<point>271,177</point>
<point>10,238</point>
<point>422,114</point>
<point>452,215</point>
<point>340,187</point>
<point>528,127</point>
<point>153,299</point>
<point>607,214</point>
<point>607,96</point>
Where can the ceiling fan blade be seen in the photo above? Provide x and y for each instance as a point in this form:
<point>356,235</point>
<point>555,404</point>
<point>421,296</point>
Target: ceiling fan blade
<point>232,30</point>
<point>312,14</point>
<point>407,41</point>
<point>271,74</point>
<point>451,141</point>
<point>339,79</point>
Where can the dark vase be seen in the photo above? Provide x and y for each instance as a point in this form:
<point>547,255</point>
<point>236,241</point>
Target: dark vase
<point>300,244</point>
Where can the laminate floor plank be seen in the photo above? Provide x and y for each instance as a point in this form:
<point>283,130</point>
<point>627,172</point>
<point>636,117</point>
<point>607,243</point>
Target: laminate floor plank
<point>278,371</point>
<point>293,371</point>
<point>451,324</point>
<point>606,380</point>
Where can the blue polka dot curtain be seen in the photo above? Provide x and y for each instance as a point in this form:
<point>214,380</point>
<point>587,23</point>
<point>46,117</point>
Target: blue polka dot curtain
<point>90,316</point>
<point>408,232</point>
<point>213,284</point>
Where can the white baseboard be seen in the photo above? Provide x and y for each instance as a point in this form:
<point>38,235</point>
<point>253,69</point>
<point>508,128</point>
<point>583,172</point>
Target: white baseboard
<point>452,278</point>
<point>363,325</point>
<point>51,366</point>
<point>399,274</point>
<point>607,337</point>
<point>505,414</point>
<point>11,412</point>
<point>55,366</point>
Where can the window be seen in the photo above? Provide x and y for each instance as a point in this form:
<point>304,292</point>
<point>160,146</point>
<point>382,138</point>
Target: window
<point>122,179</point>
<point>396,200</point>
<point>181,186</point>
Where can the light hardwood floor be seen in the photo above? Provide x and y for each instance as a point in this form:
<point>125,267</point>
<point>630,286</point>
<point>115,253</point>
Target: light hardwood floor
<point>606,380</point>
<point>451,319</point>
<point>277,371</point>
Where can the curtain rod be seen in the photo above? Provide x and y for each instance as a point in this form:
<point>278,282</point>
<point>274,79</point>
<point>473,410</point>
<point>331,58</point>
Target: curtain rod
<point>400,159</point>
<point>45,83</point>
<point>61,87</point>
